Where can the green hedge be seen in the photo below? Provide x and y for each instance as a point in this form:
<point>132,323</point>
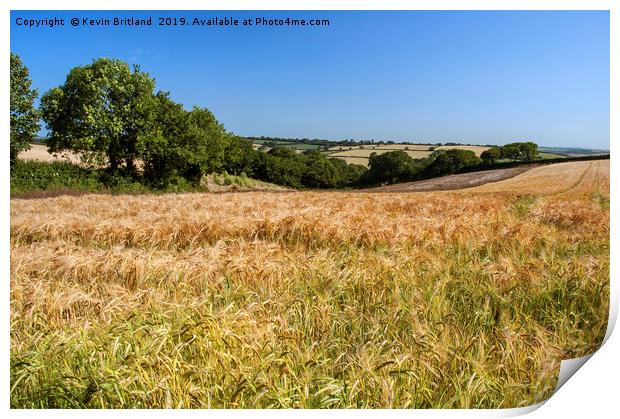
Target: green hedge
<point>31,176</point>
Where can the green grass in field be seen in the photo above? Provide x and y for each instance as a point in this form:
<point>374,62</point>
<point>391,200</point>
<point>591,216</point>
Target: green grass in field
<point>544,155</point>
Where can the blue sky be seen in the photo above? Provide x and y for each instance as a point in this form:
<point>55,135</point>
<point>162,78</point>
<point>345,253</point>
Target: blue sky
<point>473,76</point>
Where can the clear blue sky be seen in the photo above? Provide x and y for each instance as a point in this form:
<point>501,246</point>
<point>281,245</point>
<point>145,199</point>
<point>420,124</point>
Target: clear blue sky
<point>473,77</point>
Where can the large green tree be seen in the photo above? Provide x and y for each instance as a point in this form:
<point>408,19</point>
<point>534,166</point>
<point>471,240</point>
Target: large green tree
<point>445,162</point>
<point>391,167</point>
<point>347,174</point>
<point>284,167</point>
<point>491,155</point>
<point>320,171</point>
<point>100,111</point>
<point>208,141</point>
<point>160,147</point>
<point>529,150</point>
<point>24,117</point>
<point>520,151</point>
<point>239,156</point>
<point>178,142</point>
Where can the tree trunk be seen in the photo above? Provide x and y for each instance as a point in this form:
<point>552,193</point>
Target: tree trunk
<point>130,166</point>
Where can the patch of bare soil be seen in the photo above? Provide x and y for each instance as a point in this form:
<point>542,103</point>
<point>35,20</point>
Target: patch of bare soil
<point>450,182</point>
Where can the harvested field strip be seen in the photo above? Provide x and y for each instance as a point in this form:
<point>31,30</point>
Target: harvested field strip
<point>549,179</point>
<point>416,154</point>
<point>453,182</point>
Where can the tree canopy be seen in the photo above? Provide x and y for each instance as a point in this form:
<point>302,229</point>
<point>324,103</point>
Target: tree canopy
<point>391,167</point>
<point>100,111</point>
<point>522,151</point>
<point>24,117</point>
<point>491,155</point>
<point>109,113</point>
<point>451,161</point>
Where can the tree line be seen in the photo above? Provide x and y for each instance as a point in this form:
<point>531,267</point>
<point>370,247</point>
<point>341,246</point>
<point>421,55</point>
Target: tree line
<point>111,115</point>
<point>519,151</point>
<point>398,166</point>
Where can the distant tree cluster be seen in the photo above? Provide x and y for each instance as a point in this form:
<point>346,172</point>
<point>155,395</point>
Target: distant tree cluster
<point>309,169</point>
<point>398,166</point>
<point>445,162</point>
<point>518,151</point>
<point>391,167</point>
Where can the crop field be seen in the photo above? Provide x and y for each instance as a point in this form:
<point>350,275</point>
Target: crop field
<point>544,155</point>
<point>299,146</point>
<point>452,299</point>
<point>362,161</point>
<point>344,148</point>
<point>452,182</point>
<point>390,147</point>
<point>416,154</point>
<point>572,152</point>
<point>361,156</point>
<point>39,152</point>
<point>357,155</point>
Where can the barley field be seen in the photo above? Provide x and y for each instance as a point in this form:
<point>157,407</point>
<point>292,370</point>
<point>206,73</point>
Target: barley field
<point>361,156</point>
<point>416,154</point>
<point>362,161</point>
<point>452,299</point>
<point>390,147</point>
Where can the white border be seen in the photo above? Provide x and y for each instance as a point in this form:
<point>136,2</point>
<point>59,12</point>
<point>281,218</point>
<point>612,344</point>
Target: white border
<point>593,391</point>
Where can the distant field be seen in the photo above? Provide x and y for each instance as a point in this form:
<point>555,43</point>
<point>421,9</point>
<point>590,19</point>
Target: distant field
<point>354,152</point>
<point>572,152</point>
<point>416,151</point>
<point>366,153</point>
<point>576,177</point>
<point>356,147</point>
<point>300,146</point>
<point>39,152</point>
<point>404,147</point>
<point>362,161</point>
<point>266,141</point>
<point>550,155</point>
<point>475,148</point>
<point>389,147</point>
<point>361,156</point>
